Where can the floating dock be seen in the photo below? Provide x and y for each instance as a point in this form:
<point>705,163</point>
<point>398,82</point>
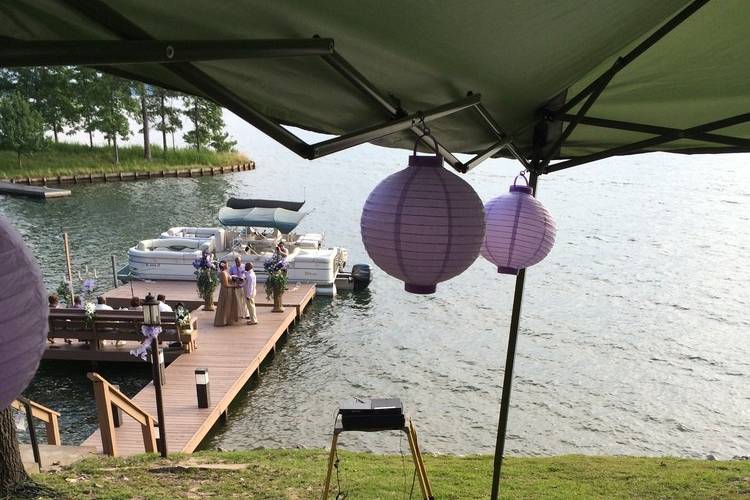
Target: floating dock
<point>41,192</point>
<point>230,353</point>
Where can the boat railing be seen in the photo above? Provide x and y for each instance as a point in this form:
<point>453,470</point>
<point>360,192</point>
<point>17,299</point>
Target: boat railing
<point>107,399</point>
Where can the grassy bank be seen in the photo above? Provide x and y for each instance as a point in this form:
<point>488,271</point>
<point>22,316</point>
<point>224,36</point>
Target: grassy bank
<point>70,159</point>
<point>297,474</point>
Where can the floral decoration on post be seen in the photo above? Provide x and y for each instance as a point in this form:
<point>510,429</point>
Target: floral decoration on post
<point>182,316</point>
<point>89,314</point>
<point>150,333</point>
<point>277,280</point>
<point>207,279</point>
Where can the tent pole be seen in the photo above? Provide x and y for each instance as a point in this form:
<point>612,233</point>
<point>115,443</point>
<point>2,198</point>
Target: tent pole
<point>510,357</point>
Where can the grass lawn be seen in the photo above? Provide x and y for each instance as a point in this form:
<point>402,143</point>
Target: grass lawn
<point>69,159</point>
<point>297,474</point>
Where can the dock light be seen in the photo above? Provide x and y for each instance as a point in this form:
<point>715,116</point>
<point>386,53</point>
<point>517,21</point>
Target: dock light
<point>520,231</point>
<point>202,388</point>
<point>423,225</point>
<point>151,313</point>
<point>23,314</point>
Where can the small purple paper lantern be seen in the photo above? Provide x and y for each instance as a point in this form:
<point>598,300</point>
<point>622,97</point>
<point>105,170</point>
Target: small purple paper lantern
<point>423,225</point>
<point>519,231</point>
<point>23,314</point>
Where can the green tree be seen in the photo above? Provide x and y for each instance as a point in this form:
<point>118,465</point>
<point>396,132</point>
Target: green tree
<point>145,93</point>
<point>86,81</point>
<point>208,124</point>
<point>222,143</point>
<point>167,118</point>
<point>51,91</point>
<point>21,128</point>
<point>115,104</point>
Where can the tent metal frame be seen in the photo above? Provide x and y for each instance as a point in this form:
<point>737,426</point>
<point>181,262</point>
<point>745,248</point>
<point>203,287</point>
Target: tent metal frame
<point>137,46</point>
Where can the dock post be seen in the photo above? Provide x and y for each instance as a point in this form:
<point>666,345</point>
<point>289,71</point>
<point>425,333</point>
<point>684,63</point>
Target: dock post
<point>159,400</point>
<point>114,271</point>
<point>69,267</point>
<point>202,387</point>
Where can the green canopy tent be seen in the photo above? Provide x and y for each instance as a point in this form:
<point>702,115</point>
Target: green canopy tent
<point>552,84</point>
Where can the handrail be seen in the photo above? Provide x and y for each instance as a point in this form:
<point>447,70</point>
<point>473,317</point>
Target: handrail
<point>108,396</point>
<point>46,415</point>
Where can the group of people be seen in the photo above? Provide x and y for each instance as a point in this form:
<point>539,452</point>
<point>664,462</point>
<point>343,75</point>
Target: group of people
<point>236,294</point>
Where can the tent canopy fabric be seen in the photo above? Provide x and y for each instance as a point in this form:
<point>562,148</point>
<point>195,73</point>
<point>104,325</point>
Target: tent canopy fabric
<point>522,56</point>
<point>277,218</point>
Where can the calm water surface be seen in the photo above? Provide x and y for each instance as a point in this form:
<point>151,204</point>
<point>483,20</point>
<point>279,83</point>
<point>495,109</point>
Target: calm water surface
<point>635,331</point>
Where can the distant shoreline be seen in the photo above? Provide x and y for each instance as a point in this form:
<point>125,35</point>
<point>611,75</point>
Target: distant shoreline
<point>61,163</point>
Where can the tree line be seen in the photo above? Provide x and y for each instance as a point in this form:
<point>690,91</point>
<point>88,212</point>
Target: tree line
<point>68,100</point>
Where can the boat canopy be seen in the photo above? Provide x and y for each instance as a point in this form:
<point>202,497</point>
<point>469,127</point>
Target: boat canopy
<point>258,203</point>
<point>278,218</point>
<point>574,81</point>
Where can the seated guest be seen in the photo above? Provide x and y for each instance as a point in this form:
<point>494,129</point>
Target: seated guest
<point>101,304</point>
<point>163,307</point>
<point>54,301</point>
<point>77,304</point>
<point>135,304</point>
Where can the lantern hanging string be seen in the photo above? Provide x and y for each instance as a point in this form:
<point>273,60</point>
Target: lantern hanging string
<point>521,174</point>
<point>426,132</point>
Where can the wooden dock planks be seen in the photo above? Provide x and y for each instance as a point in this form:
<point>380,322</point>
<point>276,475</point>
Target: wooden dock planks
<point>231,354</point>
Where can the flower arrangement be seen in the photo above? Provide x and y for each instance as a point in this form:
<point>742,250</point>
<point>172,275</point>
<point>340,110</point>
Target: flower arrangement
<point>182,316</point>
<point>63,292</point>
<point>277,280</point>
<point>89,316</point>
<point>207,278</point>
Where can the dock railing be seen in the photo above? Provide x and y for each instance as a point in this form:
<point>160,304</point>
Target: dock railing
<point>108,396</point>
<point>48,416</point>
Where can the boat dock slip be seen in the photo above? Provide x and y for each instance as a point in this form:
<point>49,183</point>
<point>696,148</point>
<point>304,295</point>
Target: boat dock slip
<point>230,353</point>
<point>42,192</point>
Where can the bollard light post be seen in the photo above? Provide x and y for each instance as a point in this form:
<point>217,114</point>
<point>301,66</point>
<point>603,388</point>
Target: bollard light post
<point>202,388</point>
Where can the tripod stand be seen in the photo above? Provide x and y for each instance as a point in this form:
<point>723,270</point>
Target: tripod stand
<point>416,455</point>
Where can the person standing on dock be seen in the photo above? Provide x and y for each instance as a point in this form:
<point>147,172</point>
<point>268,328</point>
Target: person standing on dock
<point>237,269</point>
<point>249,288</point>
<point>230,303</point>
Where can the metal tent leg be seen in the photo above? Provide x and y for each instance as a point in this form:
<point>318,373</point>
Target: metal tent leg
<point>508,372</point>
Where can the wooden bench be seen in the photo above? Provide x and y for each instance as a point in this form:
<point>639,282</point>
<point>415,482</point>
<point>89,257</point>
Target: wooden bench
<point>116,325</point>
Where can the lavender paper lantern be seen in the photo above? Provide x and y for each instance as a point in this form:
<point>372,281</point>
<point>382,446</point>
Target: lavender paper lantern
<point>423,225</point>
<point>519,231</point>
<point>23,314</point>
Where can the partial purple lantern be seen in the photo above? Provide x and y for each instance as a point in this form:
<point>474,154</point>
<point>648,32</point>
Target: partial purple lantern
<point>423,225</point>
<point>519,231</point>
<point>23,314</point>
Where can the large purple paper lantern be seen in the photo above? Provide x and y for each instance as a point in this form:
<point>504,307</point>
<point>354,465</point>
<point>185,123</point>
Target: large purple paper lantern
<point>423,225</point>
<point>23,314</point>
<point>519,231</point>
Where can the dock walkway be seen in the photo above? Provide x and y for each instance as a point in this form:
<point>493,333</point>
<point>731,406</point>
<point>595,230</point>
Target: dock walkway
<point>231,354</point>
<point>32,191</point>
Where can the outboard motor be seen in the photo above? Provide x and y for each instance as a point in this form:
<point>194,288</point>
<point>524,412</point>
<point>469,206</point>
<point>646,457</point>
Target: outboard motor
<point>361,276</point>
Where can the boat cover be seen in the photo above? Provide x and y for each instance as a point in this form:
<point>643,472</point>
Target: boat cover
<point>258,203</point>
<point>278,218</point>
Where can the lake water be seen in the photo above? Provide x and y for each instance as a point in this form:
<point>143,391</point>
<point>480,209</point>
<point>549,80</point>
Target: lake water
<point>635,334</point>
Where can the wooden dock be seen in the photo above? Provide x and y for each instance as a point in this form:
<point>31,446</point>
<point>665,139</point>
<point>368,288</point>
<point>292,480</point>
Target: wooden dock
<point>41,192</point>
<point>231,354</point>
<point>186,292</point>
